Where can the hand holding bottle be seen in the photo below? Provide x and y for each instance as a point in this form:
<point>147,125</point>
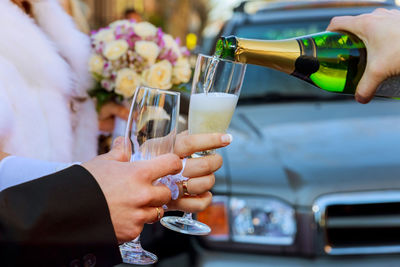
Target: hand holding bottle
<point>380,32</point>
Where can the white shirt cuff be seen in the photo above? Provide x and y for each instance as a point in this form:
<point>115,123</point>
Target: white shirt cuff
<point>17,170</point>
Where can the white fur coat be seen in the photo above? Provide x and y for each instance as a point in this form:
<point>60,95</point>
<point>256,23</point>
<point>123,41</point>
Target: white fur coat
<point>45,112</point>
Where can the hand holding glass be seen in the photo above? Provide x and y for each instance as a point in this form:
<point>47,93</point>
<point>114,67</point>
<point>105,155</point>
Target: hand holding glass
<point>215,91</point>
<point>150,132</point>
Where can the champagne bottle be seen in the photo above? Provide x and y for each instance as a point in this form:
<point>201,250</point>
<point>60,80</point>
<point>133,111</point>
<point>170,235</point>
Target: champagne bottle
<point>332,61</point>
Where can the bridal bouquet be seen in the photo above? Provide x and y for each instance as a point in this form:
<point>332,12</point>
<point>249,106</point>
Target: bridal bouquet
<point>127,54</point>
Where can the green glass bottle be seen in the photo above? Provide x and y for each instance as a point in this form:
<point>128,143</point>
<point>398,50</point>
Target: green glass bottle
<point>332,61</point>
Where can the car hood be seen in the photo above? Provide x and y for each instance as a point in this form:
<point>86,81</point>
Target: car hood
<point>300,151</point>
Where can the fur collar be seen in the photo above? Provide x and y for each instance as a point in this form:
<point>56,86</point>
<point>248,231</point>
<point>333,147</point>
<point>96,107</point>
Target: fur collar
<point>43,66</point>
<point>51,33</point>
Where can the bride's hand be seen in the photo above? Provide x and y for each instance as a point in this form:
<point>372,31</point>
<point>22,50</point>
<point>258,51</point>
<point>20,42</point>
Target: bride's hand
<point>199,170</point>
<point>107,115</point>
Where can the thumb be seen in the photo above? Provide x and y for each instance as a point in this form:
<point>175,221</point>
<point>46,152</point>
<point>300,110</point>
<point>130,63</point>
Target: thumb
<point>118,150</point>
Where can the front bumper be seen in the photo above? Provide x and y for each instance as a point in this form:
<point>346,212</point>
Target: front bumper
<point>224,259</point>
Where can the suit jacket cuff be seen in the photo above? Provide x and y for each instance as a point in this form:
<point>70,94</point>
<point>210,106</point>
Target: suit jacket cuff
<point>56,220</point>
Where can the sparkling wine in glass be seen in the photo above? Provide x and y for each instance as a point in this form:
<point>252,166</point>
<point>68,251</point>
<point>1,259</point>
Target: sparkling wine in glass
<point>150,132</point>
<point>215,91</point>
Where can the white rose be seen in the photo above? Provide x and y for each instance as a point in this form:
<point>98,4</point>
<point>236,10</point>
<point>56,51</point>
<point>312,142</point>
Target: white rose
<point>116,49</point>
<point>96,64</point>
<point>126,23</point>
<point>145,29</point>
<point>181,72</point>
<point>126,82</point>
<point>105,35</point>
<point>181,75</point>
<point>170,43</point>
<point>182,62</point>
<point>147,50</point>
<point>159,75</point>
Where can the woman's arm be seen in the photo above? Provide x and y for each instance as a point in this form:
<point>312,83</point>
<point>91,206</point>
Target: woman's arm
<point>3,155</point>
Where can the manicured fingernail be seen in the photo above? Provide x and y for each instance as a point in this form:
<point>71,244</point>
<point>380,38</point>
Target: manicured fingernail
<point>227,138</point>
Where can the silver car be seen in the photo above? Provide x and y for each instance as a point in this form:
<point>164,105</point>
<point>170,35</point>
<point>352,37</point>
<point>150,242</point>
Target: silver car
<point>312,178</point>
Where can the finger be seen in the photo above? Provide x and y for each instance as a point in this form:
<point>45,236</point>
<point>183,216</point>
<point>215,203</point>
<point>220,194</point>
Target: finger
<point>104,112</point>
<point>158,167</point>
<point>191,204</point>
<point>107,125</point>
<point>117,151</point>
<point>122,113</point>
<point>152,214</point>
<point>197,167</point>
<point>381,11</point>
<point>368,84</point>
<point>128,232</point>
<point>395,12</point>
<point>132,225</point>
<point>161,195</point>
<point>186,145</point>
<point>112,109</point>
<point>198,185</point>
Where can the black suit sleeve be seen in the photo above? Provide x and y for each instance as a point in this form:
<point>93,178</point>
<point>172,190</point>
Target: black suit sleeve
<point>58,220</point>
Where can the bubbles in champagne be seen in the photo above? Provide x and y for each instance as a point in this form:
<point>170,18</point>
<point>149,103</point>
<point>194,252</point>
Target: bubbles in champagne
<point>211,113</point>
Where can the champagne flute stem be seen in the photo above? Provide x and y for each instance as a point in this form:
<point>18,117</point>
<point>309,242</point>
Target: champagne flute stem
<point>137,240</point>
<point>135,244</point>
<point>187,216</point>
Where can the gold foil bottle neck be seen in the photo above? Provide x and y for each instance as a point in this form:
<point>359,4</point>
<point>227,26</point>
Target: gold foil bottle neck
<point>279,55</point>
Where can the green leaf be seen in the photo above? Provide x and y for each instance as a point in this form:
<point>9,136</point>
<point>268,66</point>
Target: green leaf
<point>183,87</point>
<point>101,95</point>
<point>97,77</point>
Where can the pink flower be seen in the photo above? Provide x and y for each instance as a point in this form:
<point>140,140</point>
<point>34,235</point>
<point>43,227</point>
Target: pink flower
<point>130,42</point>
<point>118,32</point>
<point>185,52</point>
<point>160,41</point>
<point>131,32</point>
<point>169,55</point>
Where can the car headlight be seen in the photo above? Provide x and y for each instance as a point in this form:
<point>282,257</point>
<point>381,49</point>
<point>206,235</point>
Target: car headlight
<point>250,220</point>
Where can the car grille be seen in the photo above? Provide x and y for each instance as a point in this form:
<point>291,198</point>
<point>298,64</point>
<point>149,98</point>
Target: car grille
<point>358,223</point>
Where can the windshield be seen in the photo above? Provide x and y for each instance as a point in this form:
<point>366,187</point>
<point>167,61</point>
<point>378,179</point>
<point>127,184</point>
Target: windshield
<point>262,84</point>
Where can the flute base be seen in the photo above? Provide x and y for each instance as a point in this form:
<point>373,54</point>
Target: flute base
<point>133,254</point>
<point>185,226</point>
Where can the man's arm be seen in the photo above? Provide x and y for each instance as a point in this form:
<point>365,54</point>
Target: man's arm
<point>82,211</point>
<point>56,221</point>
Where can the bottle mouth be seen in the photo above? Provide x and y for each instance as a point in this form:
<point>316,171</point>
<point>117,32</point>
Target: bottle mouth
<point>219,47</point>
<point>221,59</point>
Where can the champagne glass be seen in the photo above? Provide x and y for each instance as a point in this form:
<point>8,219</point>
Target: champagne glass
<point>150,132</point>
<point>215,91</point>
